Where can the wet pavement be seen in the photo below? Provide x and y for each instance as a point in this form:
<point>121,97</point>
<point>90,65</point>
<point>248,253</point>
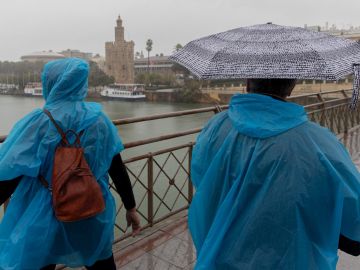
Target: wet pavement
<point>166,247</point>
<point>171,247</point>
<point>347,262</point>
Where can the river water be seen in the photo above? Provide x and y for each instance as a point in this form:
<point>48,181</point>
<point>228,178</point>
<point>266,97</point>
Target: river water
<point>12,108</point>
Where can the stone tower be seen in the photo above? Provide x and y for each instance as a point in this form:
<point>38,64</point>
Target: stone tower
<point>119,56</point>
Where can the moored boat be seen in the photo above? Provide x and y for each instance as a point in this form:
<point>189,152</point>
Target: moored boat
<point>33,89</point>
<point>131,92</point>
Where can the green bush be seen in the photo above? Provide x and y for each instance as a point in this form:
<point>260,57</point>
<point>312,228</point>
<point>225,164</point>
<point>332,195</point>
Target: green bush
<point>190,92</point>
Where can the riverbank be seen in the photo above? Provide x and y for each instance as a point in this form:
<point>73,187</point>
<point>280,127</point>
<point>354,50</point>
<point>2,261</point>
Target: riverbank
<point>20,93</point>
<point>214,95</point>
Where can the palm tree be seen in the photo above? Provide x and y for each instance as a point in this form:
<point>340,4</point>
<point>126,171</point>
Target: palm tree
<point>178,47</point>
<point>149,44</point>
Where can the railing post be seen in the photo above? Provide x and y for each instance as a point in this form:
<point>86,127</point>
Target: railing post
<point>190,186</point>
<point>322,119</point>
<point>150,190</point>
<point>346,131</point>
<point>217,108</point>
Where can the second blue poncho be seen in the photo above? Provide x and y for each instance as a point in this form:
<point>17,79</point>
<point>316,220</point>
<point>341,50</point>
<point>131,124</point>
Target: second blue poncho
<point>273,190</point>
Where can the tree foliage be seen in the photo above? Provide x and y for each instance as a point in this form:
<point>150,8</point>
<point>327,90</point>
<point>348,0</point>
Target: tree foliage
<point>190,92</point>
<point>178,47</point>
<point>149,44</point>
<point>21,73</point>
<point>97,77</point>
<point>156,79</point>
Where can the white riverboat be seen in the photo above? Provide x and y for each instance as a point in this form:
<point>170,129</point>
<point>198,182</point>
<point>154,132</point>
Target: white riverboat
<point>131,92</point>
<point>33,89</point>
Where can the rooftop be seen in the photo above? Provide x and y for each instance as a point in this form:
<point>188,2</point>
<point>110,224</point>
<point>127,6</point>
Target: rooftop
<point>44,54</point>
<point>152,59</point>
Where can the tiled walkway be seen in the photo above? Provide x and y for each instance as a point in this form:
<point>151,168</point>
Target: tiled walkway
<point>170,247</point>
<point>347,262</point>
<point>165,247</point>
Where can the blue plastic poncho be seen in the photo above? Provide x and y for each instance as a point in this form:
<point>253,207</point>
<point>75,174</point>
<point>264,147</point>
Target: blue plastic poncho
<point>273,190</point>
<point>30,235</point>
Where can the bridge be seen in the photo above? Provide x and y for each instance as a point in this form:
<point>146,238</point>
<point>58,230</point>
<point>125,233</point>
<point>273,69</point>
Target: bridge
<point>161,182</point>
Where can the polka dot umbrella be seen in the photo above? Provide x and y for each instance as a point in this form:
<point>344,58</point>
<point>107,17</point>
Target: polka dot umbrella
<point>272,51</point>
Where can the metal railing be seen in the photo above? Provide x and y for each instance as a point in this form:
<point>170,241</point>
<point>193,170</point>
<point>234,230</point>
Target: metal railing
<point>161,178</point>
<point>329,109</point>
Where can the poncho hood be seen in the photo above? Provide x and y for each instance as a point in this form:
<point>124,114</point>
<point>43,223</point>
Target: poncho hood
<point>261,116</point>
<point>65,80</point>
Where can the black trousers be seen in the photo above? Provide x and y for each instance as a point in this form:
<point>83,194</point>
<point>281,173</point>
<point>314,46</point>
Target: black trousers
<point>108,264</point>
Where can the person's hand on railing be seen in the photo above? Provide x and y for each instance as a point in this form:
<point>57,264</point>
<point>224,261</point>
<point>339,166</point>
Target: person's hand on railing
<point>133,220</point>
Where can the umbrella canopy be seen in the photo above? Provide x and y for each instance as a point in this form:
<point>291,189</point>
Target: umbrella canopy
<point>271,51</point>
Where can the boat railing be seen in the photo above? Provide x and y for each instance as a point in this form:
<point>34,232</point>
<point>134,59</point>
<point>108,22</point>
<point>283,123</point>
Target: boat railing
<point>161,178</point>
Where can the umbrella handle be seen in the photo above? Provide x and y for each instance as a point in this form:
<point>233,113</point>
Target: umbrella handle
<point>356,86</point>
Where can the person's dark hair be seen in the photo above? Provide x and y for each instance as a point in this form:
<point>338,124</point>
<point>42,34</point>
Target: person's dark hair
<point>278,87</point>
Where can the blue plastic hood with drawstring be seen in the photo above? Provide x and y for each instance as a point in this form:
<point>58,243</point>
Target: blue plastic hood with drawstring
<point>273,190</point>
<point>30,235</point>
<point>271,118</point>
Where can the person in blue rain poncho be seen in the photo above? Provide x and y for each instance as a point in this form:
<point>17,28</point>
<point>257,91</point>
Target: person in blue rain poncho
<point>273,190</point>
<point>30,235</point>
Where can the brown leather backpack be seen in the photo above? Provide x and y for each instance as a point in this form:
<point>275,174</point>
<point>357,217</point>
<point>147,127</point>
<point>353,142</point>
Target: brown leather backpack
<point>76,194</point>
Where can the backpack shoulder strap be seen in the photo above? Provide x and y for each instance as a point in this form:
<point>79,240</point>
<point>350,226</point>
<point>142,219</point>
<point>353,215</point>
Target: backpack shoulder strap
<point>61,132</point>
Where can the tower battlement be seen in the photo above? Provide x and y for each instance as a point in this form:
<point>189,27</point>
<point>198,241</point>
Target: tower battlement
<point>119,56</point>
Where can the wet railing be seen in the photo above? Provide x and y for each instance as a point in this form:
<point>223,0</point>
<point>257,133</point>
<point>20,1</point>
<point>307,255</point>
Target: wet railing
<point>329,109</point>
<point>161,178</point>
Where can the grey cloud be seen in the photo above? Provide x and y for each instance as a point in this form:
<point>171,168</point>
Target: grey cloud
<point>33,25</point>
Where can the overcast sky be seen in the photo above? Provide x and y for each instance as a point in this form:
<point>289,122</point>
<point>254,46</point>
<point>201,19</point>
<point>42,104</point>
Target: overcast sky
<point>35,25</point>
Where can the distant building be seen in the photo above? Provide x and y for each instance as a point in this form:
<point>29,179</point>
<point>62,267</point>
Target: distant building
<point>315,28</point>
<point>99,60</point>
<point>158,64</point>
<point>351,32</point>
<point>78,54</point>
<point>350,35</point>
<point>119,56</point>
<point>44,56</point>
